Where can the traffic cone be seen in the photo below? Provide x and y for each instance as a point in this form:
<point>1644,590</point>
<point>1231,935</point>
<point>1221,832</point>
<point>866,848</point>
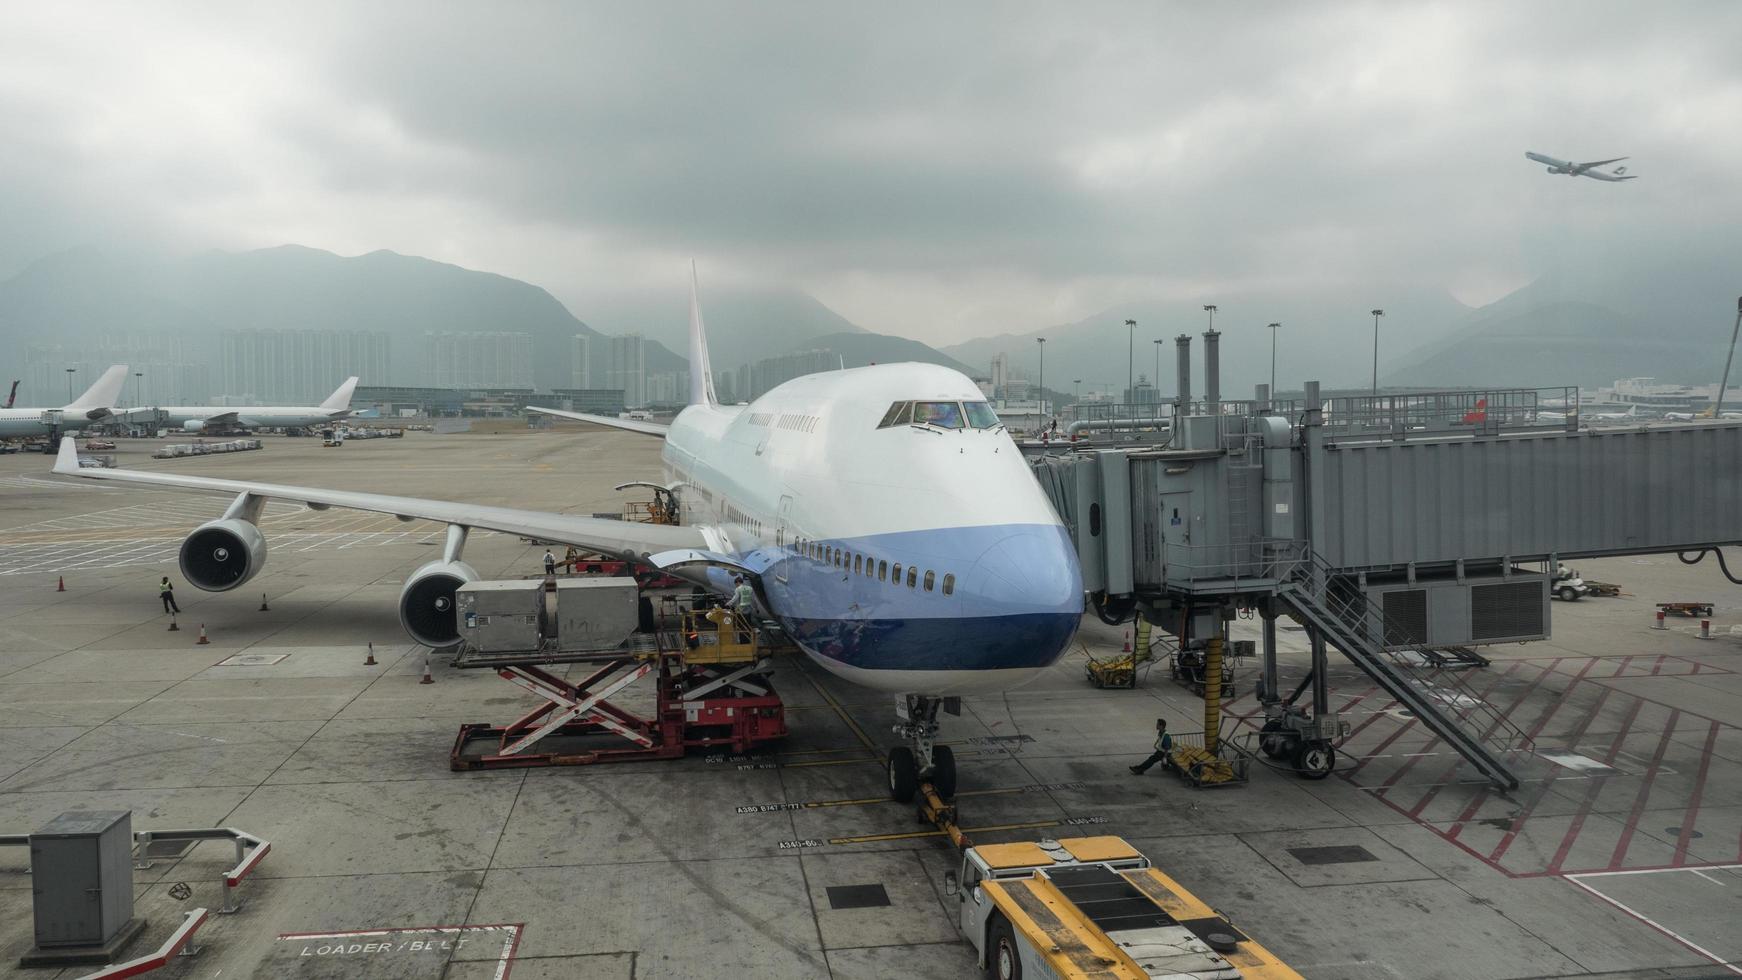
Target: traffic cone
<point>202,641</point>
<point>172,627</point>
<point>426,679</point>
<point>369,661</point>
<point>62,587</point>
<point>263,606</point>
<point>1127,647</point>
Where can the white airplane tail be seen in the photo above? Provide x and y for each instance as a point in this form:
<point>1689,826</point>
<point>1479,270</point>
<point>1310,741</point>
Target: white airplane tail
<point>101,395</point>
<point>340,399</point>
<point>701,372</point>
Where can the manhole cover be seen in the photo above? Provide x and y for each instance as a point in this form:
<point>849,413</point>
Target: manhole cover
<point>1337,854</point>
<point>857,896</point>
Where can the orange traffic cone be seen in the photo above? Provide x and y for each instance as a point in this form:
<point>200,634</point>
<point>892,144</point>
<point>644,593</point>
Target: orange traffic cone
<point>426,679</point>
<point>62,587</point>
<point>369,661</point>
<point>1127,647</point>
<point>202,641</point>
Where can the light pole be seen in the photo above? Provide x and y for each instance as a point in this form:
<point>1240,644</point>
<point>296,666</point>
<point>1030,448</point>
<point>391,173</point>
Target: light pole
<point>1718,406</point>
<point>70,385</point>
<point>1130,357</point>
<point>139,387</point>
<point>1210,308</point>
<point>1078,399</point>
<point>1042,342</point>
<point>1273,327</point>
<point>1158,372</point>
<point>1376,315</point>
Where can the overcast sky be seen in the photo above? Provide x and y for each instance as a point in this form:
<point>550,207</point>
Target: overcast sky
<point>939,171</point>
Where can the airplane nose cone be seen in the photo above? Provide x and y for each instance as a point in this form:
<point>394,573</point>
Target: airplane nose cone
<point>1030,570</point>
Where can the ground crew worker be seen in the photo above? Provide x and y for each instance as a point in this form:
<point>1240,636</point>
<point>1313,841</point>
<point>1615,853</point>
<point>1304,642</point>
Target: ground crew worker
<point>166,592</point>
<point>744,603</point>
<point>549,562</point>
<point>1163,749</point>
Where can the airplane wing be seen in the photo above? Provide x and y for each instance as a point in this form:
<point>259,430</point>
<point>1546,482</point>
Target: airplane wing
<point>1599,163</point>
<point>626,539</point>
<point>1594,175</point>
<point>645,428</point>
<point>224,418</point>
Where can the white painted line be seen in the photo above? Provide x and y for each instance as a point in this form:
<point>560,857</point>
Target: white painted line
<point>1660,927</point>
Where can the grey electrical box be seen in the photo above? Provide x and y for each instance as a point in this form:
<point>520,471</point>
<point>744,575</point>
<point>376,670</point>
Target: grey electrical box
<point>81,874</point>
<point>596,613</point>
<point>1445,611</point>
<point>501,617</point>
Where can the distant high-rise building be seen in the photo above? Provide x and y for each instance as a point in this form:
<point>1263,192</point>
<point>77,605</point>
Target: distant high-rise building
<point>292,367</point>
<point>1000,374</point>
<point>479,360</point>
<point>755,380</point>
<point>161,371</point>
<point>668,388</point>
<point>625,366</point>
<point>581,360</point>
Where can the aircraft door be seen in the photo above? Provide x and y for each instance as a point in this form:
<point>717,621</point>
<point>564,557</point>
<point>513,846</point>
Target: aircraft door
<point>782,534</point>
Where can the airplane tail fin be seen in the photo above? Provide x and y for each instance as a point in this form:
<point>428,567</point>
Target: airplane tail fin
<point>1479,414</point>
<point>701,372</point>
<point>101,395</point>
<point>11,396</point>
<point>340,399</point>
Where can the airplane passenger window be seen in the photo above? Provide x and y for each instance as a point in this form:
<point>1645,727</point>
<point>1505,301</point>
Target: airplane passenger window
<point>980,415</point>
<point>930,577</point>
<point>882,570</point>
<point>858,564</point>
<point>898,414</point>
<point>837,558</point>
<point>944,415</point>
<point>896,578</point>
<point>949,584</point>
<point>912,576</point>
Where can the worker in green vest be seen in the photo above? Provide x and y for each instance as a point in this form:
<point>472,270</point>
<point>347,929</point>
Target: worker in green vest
<point>166,592</point>
<point>1163,749</point>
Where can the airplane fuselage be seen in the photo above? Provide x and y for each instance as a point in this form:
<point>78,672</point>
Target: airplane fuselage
<point>907,558</point>
<point>15,422</point>
<point>256,416</point>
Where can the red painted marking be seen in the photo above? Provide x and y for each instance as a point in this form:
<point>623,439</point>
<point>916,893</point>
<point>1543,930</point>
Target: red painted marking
<point>1644,794</point>
<point>1693,811</point>
<point>1536,728</point>
<point>1547,784</point>
<point>1659,665</point>
<point>1578,822</point>
<point>1408,764</point>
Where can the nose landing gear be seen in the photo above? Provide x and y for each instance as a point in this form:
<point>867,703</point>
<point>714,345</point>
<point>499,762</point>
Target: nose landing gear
<point>923,761</point>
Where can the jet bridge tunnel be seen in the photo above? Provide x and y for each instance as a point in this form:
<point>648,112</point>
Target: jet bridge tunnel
<point>1385,523</point>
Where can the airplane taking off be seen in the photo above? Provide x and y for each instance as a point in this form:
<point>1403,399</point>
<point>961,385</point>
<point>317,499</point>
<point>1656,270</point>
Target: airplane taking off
<point>883,515</point>
<point>1582,169</point>
<point>194,418</point>
<point>95,405</point>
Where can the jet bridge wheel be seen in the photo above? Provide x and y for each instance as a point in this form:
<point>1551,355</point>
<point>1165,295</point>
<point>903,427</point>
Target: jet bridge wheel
<point>903,774</point>
<point>1315,760</point>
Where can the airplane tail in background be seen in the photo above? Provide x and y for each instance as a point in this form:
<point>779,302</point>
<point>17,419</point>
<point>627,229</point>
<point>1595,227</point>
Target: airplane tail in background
<point>701,372</point>
<point>12,395</point>
<point>101,396</point>
<point>1479,413</point>
<point>340,399</point>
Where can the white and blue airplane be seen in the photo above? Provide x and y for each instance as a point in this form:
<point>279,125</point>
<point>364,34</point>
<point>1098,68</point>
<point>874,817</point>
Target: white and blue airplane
<point>885,516</point>
<point>1572,169</point>
<point>95,405</point>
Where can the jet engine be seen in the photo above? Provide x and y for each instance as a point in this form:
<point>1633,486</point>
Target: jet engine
<point>193,425</point>
<point>427,608</point>
<point>223,554</point>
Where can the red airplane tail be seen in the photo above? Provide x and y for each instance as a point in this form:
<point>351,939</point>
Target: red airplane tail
<point>1477,414</point>
<point>13,395</point>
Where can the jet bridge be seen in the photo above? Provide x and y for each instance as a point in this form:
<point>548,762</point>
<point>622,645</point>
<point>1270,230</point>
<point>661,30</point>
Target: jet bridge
<point>1385,525</point>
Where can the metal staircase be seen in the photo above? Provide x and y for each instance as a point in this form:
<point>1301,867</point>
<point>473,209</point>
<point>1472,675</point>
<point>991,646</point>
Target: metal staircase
<point>1437,698</point>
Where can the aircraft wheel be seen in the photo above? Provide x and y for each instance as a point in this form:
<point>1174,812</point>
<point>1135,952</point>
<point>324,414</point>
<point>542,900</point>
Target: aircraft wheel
<point>943,774</point>
<point>1315,760</point>
<point>903,774</point>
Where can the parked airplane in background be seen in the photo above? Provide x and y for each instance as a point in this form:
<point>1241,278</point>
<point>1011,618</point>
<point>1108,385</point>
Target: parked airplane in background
<point>1615,416</point>
<point>195,418</point>
<point>1582,169</point>
<point>883,513</point>
<point>95,405</point>
<point>1678,416</point>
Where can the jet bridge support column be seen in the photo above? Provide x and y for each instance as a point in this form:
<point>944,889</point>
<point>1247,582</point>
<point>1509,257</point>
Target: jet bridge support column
<point>1268,683</point>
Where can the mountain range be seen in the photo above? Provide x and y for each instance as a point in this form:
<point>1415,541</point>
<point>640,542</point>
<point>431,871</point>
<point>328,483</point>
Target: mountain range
<point>1577,325</point>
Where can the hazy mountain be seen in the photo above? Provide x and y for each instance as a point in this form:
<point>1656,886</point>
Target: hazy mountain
<point>1323,337</point>
<point>744,325</point>
<point>1589,325</point>
<point>860,349</point>
<point>88,293</point>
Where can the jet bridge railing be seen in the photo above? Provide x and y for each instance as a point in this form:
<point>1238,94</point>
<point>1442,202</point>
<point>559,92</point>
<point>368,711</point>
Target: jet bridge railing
<point>1255,564</point>
<point>1486,411</point>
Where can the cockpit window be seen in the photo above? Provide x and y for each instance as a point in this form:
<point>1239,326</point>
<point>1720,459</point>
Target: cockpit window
<point>944,415</point>
<point>898,414</point>
<point>980,415</point>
